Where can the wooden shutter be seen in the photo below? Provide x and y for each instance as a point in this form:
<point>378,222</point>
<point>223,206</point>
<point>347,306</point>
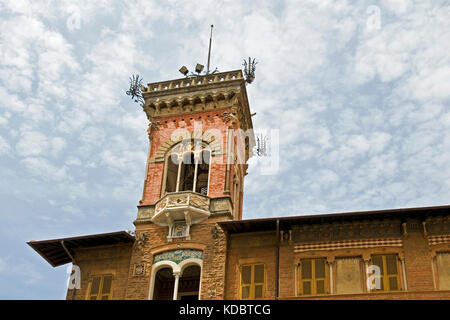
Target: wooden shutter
<point>95,288</point>
<point>101,288</point>
<point>388,264</point>
<point>258,280</point>
<point>252,281</point>
<point>313,276</point>
<point>246,279</point>
<point>106,288</point>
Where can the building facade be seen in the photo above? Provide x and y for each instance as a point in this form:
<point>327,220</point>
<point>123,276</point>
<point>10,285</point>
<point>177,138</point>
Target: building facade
<point>190,241</point>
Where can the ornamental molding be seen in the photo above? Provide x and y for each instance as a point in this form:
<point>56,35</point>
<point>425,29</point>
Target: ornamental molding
<point>178,256</point>
<point>192,95</point>
<point>347,231</point>
<point>214,145</point>
<point>349,244</point>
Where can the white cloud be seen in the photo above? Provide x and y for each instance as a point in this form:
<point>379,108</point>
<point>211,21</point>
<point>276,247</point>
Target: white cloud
<point>32,143</point>
<point>44,169</point>
<point>4,146</point>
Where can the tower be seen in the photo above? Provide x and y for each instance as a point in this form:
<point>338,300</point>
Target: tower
<point>200,134</point>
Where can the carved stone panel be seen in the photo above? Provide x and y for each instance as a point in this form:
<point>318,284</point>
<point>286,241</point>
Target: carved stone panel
<point>145,213</point>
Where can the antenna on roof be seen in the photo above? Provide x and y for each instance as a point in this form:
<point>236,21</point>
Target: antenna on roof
<point>199,67</point>
<point>209,51</point>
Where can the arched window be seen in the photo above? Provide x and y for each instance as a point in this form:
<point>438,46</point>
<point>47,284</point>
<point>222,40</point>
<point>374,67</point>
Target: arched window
<point>188,167</point>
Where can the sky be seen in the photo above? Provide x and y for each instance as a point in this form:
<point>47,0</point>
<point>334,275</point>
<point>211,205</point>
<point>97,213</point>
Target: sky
<point>358,94</point>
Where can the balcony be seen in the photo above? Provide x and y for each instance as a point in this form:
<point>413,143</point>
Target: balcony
<point>186,206</point>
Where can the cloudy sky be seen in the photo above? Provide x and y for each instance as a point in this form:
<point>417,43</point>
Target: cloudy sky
<point>359,93</point>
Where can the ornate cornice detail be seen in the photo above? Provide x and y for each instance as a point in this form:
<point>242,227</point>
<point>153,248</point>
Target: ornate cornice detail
<point>204,93</point>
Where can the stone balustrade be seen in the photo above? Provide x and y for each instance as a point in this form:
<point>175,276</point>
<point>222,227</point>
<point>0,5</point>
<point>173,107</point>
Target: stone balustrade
<point>177,205</point>
<point>158,87</point>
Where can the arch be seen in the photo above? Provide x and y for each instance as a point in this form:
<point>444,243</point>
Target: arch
<point>189,262</point>
<point>187,167</point>
<point>213,143</point>
<point>176,269</point>
<point>158,266</point>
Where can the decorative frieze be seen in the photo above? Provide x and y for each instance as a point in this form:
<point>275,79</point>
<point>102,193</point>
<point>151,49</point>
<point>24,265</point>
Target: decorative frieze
<point>343,231</point>
<point>349,244</point>
<point>438,225</point>
<point>178,256</point>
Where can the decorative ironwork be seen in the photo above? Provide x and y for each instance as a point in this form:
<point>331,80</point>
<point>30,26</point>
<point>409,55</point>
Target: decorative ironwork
<point>215,232</point>
<point>249,69</point>
<point>135,89</point>
<point>261,145</point>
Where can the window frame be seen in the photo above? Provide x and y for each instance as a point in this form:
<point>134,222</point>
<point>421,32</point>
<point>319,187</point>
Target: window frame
<point>386,277</point>
<point>100,294</point>
<point>180,166</point>
<point>252,284</point>
<point>313,280</point>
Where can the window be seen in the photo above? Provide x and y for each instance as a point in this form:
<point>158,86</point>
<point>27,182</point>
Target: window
<point>188,168</point>
<point>389,275</point>
<point>313,276</point>
<point>252,281</point>
<point>101,288</point>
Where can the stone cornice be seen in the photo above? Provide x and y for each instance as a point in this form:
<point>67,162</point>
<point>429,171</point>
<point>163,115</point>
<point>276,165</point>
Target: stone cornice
<point>199,94</point>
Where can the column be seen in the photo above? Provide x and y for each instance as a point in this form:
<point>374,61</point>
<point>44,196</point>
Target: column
<point>180,163</point>
<point>330,265</point>
<point>402,261</point>
<point>366,268</point>
<point>175,287</point>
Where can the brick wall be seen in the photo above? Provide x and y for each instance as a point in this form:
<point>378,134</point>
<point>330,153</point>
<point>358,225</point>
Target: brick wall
<point>209,121</point>
<point>214,251</point>
<point>260,247</point>
<point>99,261</point>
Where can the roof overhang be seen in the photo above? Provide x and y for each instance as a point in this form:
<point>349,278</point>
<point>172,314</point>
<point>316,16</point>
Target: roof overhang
<point>54,253</point>
<point>270,224</point>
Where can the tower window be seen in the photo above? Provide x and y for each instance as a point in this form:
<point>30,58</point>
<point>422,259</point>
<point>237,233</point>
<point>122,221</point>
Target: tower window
<point>188,168</point>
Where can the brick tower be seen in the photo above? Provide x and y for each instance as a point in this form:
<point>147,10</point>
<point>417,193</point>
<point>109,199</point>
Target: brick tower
<point>201,137</point>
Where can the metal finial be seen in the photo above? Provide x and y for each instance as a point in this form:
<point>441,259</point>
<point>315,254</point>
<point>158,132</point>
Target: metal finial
<point>249,69</point>
<point>261,145</point>
<point>135,89</point>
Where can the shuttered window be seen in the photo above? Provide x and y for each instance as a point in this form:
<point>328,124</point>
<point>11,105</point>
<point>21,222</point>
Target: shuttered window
<point>252,281</point>
<point>389,272</point>
<point>101,288</point>
<point>313,277</point>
